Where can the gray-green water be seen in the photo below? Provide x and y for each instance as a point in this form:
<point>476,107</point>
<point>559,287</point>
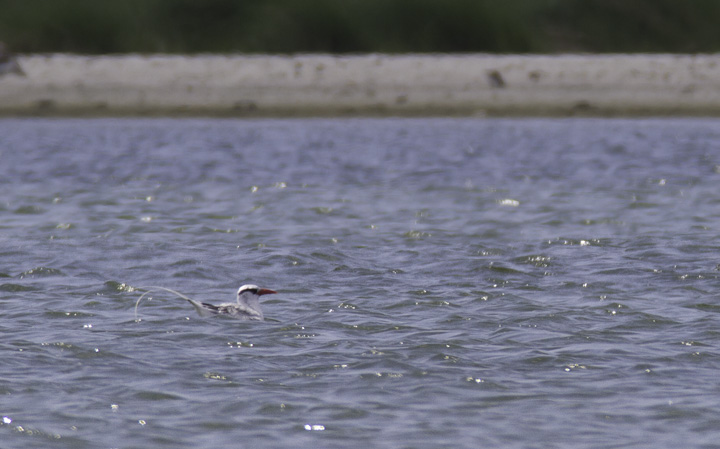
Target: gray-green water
<point>442,283</point>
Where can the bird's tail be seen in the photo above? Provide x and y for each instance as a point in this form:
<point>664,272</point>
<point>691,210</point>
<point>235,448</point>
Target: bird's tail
<point>152,288</point>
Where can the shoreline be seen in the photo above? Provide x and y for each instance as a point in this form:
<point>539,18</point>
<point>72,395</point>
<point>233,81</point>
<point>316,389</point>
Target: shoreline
<point>363,85</point>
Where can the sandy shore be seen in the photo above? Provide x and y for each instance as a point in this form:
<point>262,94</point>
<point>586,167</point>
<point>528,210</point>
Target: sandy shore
<point>308,85</point>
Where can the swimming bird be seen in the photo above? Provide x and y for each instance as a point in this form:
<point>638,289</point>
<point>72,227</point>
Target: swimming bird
<point>8,62</point>
<point>246,308</point>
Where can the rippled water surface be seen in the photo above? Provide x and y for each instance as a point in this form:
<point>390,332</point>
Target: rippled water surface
<point>442,283</point>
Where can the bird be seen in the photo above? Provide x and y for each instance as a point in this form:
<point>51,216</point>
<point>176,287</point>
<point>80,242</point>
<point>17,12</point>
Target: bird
<point>8,62</point>
<point>247,307</point>
<point>495,79</point>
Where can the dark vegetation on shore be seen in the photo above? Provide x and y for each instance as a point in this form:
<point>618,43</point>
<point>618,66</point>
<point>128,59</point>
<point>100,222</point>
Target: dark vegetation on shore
<point>360,26</point>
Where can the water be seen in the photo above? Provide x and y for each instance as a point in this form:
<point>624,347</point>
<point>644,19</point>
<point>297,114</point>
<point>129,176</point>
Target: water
<point>443,283</point>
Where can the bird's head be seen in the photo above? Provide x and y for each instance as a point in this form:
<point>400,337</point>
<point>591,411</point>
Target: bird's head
<point>253,291</point>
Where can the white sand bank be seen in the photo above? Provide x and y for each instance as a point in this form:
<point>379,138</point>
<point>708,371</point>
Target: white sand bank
<point>364,85</point>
